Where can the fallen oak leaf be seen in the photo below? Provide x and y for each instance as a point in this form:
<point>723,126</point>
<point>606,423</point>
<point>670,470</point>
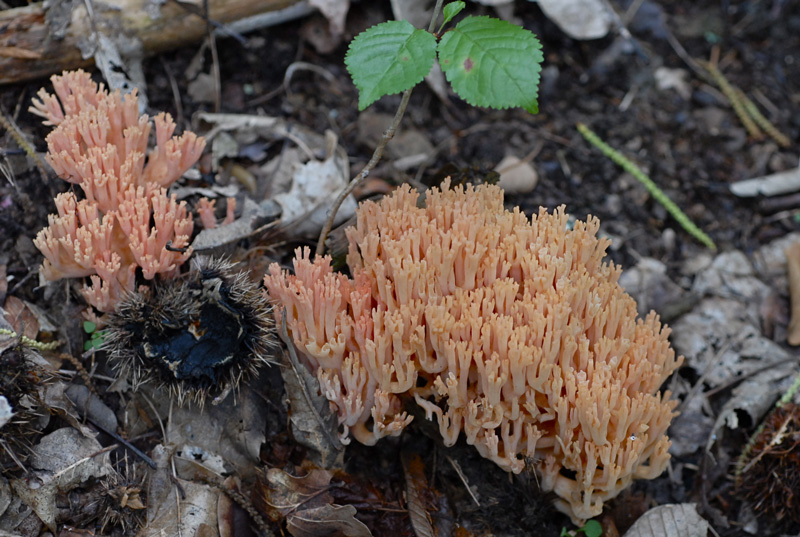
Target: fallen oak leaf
<point>327,521</point>
<point>286,493</point>
<point>307,505</point>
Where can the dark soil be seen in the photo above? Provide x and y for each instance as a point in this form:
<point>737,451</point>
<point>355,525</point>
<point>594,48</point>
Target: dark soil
<point>692,146</point>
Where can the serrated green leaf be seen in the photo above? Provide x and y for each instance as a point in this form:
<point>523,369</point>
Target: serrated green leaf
<point>451,10</point>
<point>492,63</point>
<point>389,58</point>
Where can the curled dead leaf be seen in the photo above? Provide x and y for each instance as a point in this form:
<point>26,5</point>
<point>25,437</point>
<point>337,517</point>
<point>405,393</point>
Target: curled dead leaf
<point>307,505</point>
<point>673,520</point>
<point>793,267</point>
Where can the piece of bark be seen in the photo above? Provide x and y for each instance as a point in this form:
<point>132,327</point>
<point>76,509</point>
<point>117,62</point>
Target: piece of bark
<point>30,49</point>
<point>793,268</point>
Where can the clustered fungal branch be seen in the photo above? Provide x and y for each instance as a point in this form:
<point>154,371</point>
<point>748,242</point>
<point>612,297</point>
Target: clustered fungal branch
<point>127,220</point>
<point>196,335</point>
<point>511,331</point>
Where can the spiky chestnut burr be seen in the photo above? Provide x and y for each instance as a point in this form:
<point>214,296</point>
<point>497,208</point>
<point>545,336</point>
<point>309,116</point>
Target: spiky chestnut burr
<point>770,473</point>
<point>197,336</point>
<point>119,500</point>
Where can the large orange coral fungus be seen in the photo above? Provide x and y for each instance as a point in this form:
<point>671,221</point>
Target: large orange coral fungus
<point>511,331</point>
<point>127,220</point>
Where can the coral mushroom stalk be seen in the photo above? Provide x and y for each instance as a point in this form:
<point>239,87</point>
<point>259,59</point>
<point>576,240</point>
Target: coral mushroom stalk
<point>510,331</point>
<point>126,220</point>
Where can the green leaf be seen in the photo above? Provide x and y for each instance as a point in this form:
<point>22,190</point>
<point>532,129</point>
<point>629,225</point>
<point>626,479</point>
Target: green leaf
<point>87,345</point>
<point>492,63</point>
<point>592,528</point>
<point>389,58</point>
<point>451,10</point>
<point>89,327</point>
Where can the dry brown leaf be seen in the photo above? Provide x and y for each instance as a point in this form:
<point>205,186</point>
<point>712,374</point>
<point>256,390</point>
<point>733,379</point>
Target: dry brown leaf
<point>60,462</point>
<point>793,267</point>
<point>204,530</point>
<point>416,491</point>
<point>287,493</point>
<point>335,11</point>
<point>170,512</point>
<point>21,318</point>
<point>92,407</point>
<point>56,399</point>
<point>325,521</point>
<point>307,505</point>
<point>579,19</point>
<point>226,518</point>
<point>227,436</point>
<point>674,520</point>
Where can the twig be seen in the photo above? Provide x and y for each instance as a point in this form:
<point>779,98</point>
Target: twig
<point>361,177</point>
<point>176,93</point>
<point>212,43</point>
<point>179,491</point>
<point>712,392</point>
<point>376,156</point>
<point>463,478</point>
<point>158,417</point>
<point>225,29</point>
<point>681,52</point>
<point>630,13</point>
<point>136,451</point>
<point>85,376</point>
<point>648,183</point>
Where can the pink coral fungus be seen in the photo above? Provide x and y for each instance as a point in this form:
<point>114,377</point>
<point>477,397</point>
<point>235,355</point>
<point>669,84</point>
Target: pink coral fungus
<point>126,220</point>
<point>511,331</point>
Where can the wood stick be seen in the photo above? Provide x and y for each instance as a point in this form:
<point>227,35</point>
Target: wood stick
<point>30,49</point>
